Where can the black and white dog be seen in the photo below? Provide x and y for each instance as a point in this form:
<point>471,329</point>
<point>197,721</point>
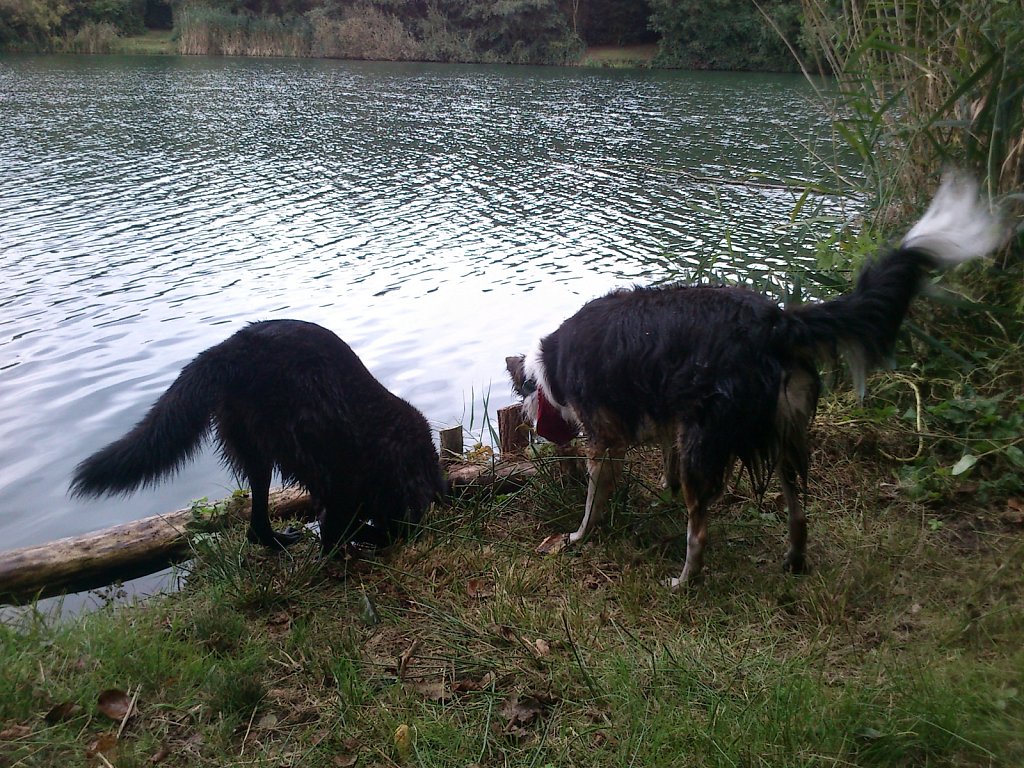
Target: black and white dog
<point>720,374</point>
<point>291,396</point>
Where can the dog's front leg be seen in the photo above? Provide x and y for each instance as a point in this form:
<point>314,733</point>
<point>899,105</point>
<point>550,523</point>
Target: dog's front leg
<point>696,536</point>
<point>603,469</point>
<point>670,477</point>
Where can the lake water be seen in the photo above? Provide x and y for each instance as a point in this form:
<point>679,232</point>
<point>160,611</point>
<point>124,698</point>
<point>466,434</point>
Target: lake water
<point>436,217</point>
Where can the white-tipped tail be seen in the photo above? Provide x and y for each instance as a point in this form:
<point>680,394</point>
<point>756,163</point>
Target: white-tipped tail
<point>958,226</point>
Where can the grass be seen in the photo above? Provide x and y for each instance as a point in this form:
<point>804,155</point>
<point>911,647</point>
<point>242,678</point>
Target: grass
<point>619,56</point>
<point>151,43</point>
<point>464,647</point>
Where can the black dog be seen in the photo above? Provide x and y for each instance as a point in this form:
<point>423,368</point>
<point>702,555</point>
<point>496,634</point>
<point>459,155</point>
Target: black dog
<point>716,375</point>
<point>291,396</point>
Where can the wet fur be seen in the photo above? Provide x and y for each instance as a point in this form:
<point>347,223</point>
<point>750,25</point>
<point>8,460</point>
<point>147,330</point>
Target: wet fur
<point>291,396</point>
<point>716,375</point>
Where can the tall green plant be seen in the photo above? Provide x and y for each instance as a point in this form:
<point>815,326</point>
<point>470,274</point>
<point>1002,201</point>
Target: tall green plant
<point>923,84</point>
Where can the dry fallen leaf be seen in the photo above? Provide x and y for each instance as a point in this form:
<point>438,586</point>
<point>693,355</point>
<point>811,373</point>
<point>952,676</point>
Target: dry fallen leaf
<point>1014,511</point>
<point>523,711</point>
<point>468,684</point>
<point>14,732</point>
<point>268,721</point>
<point>542,647</point>
<point>553,544</point>
<point>432,690</point>
<point>104,744</point>
<point>479,588</point>
<point>62,712</point>
<point>159,756</point>
<point>344,761</point>
<point>114,703</point>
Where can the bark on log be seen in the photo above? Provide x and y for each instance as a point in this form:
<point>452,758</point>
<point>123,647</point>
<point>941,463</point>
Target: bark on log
<point>451,444</point>
<point>513,430</point>
<point>124,551</point>
<point>498,477</point>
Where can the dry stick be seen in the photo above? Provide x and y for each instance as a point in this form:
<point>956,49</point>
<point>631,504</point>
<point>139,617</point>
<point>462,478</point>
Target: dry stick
<point>248,728</point>
<point>131,709</point>
<point>405,657</point>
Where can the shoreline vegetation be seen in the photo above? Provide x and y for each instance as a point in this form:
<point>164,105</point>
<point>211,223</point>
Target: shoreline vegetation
<point>465,647</point>
<point>650,33</point>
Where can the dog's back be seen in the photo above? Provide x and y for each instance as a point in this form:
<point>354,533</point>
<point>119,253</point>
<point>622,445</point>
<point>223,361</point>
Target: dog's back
<point>701,360</point>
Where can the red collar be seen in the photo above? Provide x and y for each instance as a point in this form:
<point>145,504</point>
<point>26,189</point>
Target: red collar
<point>550,424</point>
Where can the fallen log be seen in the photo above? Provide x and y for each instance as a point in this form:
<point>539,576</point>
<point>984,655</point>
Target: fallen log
<point>151,544</point>
<point>126,551</point>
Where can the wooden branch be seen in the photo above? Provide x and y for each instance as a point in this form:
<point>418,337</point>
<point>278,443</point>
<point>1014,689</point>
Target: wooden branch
<point>124,551</point>
<point>497,477</point>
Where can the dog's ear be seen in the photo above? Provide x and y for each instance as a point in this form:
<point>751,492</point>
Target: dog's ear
<point>514,366</point>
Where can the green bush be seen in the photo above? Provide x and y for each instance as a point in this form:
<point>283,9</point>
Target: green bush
<point>125,16</point>
<point>362,32</point>
<point>92,37</point>
<point>721,34</point>
<point>30,23</point>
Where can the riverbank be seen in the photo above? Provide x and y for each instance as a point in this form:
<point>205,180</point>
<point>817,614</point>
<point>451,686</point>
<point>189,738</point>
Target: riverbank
<point>465,647</point>
<point>163,42</point>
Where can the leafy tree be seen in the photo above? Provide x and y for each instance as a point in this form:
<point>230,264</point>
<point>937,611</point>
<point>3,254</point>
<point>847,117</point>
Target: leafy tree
<point>724,34</point>
<point>30,21</point>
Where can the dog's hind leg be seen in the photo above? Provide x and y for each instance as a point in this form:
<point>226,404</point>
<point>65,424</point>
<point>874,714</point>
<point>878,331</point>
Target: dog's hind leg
<point>337,526</point>
<point>603,469</point>
<point>259,474</point>
<point>798,399</point>
<point>259,522</point>
<point>796,558</point>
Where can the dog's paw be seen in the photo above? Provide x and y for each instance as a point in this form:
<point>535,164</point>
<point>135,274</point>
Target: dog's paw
<point>795,564</point>
<point>288,536</point>
<point>553,544</point>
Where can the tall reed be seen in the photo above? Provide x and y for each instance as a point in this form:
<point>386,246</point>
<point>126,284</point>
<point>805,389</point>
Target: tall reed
<point>216,32</point>
<point>362,32</point>
<point>923,84</point>
<point>92,37</point>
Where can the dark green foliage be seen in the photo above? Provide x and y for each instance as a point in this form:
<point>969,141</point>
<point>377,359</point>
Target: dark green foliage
<point>717,34</point>
<point>938,84</point>
<point>721,34</point>
<point>612,22</point>
<point>124,15</point>
<point>30,23</point>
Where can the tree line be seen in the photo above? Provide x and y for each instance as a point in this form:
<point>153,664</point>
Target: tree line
<point>692,34</point>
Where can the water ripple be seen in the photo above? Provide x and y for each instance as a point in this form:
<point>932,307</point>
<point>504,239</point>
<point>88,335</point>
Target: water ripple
<point>436,217</point>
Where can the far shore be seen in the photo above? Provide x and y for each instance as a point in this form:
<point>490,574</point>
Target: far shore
<point>161,42</point>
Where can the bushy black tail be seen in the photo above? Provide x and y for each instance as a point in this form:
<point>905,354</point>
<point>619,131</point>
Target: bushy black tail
<point>166,438</point>
<point>863,324</point>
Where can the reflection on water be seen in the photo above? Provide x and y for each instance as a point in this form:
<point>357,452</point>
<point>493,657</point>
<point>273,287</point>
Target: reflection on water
<point>436,217</point>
